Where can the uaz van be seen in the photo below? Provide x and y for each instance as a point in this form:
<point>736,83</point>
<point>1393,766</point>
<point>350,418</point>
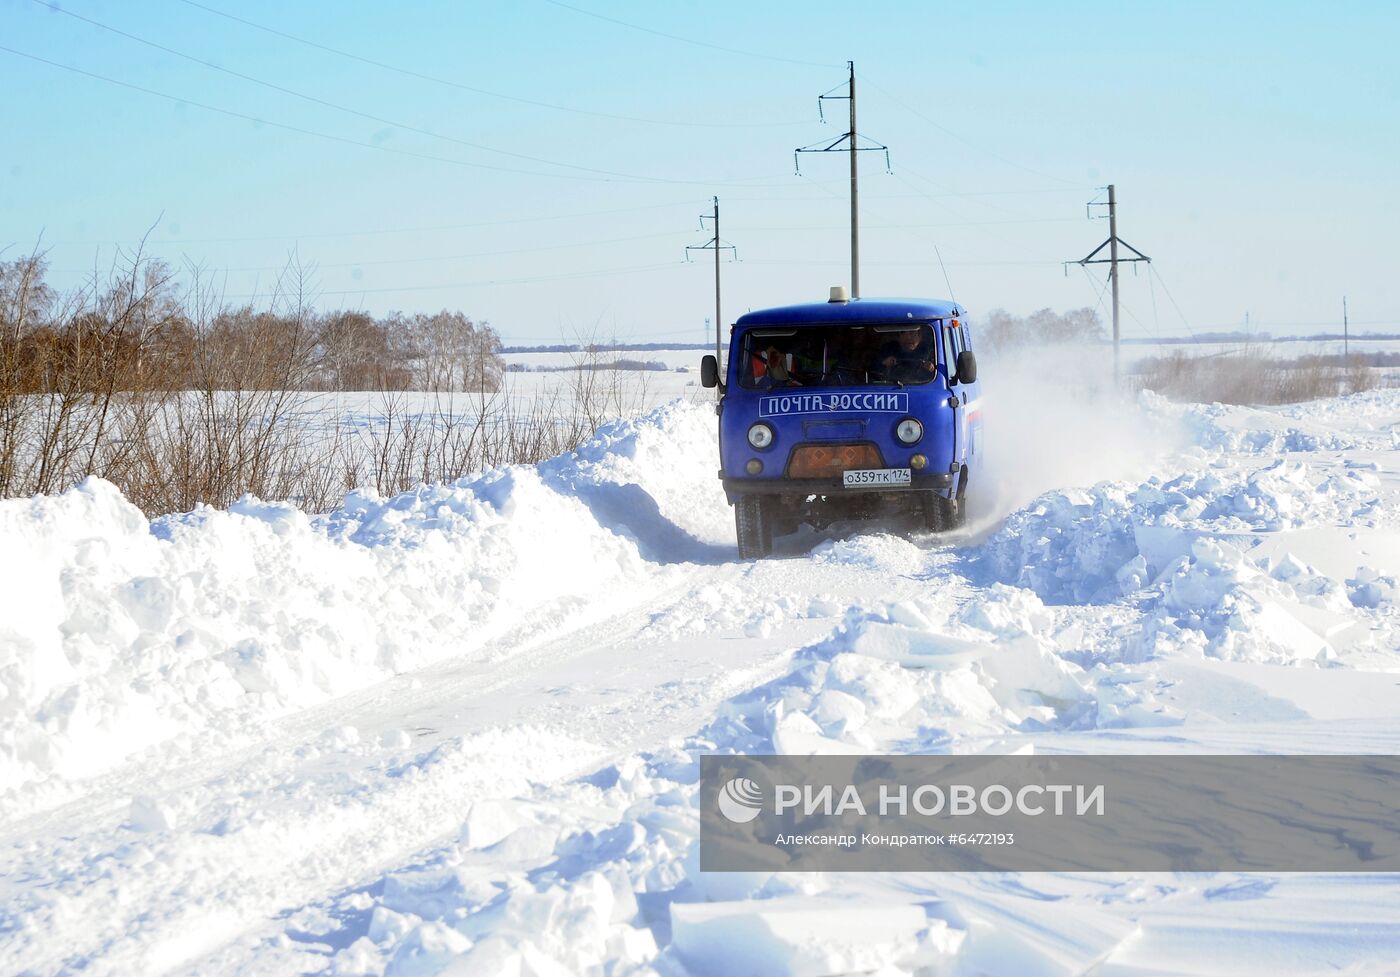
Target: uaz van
<point>847,409</point>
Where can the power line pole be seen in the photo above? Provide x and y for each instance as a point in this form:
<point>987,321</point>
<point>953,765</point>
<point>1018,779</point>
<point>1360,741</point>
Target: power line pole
<point>855,190</point>
<point>1346,338</point>
<point>846,143</point>
<point>1112,261</point>
<point>716,245</point>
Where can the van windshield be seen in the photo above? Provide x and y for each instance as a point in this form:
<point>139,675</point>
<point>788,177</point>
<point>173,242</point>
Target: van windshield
<point>829,356</point>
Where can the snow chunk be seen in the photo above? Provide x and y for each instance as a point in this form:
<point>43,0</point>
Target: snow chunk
<point>801,937</point>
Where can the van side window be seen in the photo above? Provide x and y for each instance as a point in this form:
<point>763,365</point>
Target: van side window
<point>950,352</point>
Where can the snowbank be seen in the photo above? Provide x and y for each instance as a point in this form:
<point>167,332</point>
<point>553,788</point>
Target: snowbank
<point>1233,593</point>
<point>118,634</point>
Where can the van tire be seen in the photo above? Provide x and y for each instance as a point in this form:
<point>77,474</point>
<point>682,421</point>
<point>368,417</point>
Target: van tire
<point>934,510</point>
<point>956,513</point>
<point>753,524</point>
<point>940,514</point>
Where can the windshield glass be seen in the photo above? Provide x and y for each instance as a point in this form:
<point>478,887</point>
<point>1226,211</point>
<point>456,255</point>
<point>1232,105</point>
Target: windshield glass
<point>829,356</point>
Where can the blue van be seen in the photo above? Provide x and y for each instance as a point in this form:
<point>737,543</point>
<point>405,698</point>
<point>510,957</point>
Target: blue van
<point>847,409</point>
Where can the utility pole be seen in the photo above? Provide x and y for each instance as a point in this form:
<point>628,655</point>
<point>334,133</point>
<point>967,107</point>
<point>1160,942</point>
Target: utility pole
<point>1346,337</point>
<point>846,143</point>
<point>855,190</point>
<point>1112,261</point>
<point>716,245</point>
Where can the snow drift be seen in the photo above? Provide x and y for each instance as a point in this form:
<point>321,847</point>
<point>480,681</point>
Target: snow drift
<point>1228,585</point>
<point>119,633</point>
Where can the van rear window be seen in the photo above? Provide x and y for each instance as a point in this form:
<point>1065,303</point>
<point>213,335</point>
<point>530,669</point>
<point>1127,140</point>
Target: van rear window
<point>830,356</point>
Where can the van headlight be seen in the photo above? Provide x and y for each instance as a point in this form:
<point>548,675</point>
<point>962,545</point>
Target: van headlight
<point>760,435</point>
<point>909,431</point>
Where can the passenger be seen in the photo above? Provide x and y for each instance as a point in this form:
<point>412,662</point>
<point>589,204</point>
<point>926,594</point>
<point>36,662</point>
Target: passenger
<point>909,357</point>
<point>808,362</point>
<point>777,365</point>
<point>860,355</point>
<point>771,368</point>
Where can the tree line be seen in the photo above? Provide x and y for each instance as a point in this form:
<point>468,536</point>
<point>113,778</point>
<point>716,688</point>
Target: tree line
<point>140,328</point>
<point>150,380</point>
<point>1000,330</point>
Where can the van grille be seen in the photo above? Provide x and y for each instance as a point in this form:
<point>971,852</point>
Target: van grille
<point>825,460</point>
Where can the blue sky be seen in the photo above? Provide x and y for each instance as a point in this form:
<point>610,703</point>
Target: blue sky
<point>1254,147</point>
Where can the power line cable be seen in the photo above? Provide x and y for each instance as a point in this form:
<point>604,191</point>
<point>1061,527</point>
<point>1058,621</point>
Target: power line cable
<point>898,175</point>
<point>896,264</point>
<point>942,128</point>
<point>1152,291</point>
<point>422,76</point>
<point>685,40</point>
<point>337,107</point>
<point>404,230</point>
<point>599,273</point>
<point>347,109</point>
<point>443,257</point>
<point>551,217</point>
<point>180,100</point>
<point>916,192</point>
<point>1098,306</point>
<point>890,227</point>
<point>1171,298</point>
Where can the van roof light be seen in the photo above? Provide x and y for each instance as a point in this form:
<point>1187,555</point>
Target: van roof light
<point>839,294</point>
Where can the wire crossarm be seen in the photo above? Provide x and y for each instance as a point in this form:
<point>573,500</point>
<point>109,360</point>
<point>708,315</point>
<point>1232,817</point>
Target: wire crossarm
<point>1089,259</point>
<point>841,144</point>
<point>710,245</point>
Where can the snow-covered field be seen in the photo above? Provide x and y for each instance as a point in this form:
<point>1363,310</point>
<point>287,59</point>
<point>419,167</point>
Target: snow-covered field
<point>456,731</point>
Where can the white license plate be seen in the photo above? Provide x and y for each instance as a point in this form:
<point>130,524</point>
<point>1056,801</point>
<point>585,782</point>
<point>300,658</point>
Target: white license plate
<point>875,476</point>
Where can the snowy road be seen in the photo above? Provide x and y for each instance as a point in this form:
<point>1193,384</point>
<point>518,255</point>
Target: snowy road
<point>458,728</point>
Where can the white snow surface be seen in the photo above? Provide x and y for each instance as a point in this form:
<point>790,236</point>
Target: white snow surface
<point>456,731</point>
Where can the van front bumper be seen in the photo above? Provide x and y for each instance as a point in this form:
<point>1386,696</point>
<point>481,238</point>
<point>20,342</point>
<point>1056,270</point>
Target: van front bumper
<point>921,482</point>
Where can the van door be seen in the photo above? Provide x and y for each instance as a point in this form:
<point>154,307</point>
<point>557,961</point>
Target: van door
<point>972,405</point>
<point>957,394</point>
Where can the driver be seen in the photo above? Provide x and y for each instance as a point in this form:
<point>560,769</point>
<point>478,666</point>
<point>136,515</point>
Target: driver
<point>909,356</point>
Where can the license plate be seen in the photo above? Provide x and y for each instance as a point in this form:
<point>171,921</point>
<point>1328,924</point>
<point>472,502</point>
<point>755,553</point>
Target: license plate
<point>875,476</point>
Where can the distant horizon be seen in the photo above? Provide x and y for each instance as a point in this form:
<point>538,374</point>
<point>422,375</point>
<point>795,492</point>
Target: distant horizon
<point>606,346</point>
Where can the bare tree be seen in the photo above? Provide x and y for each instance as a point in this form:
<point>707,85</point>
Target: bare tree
<point>451,352</point>
<point>1000,330</point>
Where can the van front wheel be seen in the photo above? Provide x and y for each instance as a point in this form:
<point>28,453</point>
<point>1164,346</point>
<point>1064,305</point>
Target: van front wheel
<point>934,510</point>
<point>941,515</point>
<point>753,523</point>
<point>957,516</point>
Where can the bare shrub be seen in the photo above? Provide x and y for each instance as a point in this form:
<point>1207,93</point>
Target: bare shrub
<point>241,422</point>
<point>453,434</point>
<point>80,376</point>
<point>180,399</point>
<point>1250,375</point>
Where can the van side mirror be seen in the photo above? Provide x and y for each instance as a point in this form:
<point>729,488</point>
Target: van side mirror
<point>709,371</point>
<point>967,367</point>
